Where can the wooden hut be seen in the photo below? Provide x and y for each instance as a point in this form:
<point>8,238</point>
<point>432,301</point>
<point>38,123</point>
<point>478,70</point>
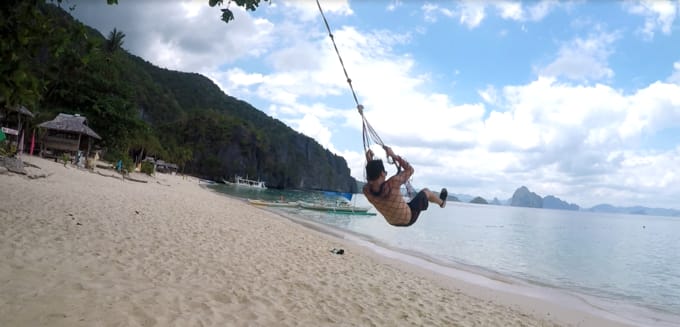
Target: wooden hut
<point>13,123</point>
<point>67,134</point>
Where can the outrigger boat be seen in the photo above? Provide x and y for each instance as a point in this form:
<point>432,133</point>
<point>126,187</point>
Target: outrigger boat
<point>240,181</point>
<point>258,202</point>
<point>340,207</point>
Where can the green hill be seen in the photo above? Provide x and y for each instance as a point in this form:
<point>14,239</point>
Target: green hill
<point>140,109</point>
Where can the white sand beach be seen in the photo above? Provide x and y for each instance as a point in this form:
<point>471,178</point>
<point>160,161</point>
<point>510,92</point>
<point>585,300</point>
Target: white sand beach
<point>81,249</point>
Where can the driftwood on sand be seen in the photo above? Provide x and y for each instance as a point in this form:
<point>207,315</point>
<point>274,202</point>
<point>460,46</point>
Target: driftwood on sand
<point>118,176</point>
<point>110,175</point>
<point>134,179</point>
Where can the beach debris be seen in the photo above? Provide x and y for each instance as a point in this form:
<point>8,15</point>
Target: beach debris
<point>78,224</point>
<point>13,165</point>
<point>338,251</point>
<point>107,175</point>
<point>137,212</point>
<point>28,164</point>
<point>36,176</point>
<point>134,179</point>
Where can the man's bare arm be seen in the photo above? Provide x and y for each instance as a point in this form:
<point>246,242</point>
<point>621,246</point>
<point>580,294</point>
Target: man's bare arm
<point>406,168</point>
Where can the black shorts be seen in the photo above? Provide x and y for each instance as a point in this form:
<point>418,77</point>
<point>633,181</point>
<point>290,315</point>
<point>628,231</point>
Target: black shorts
<point>418,204</point>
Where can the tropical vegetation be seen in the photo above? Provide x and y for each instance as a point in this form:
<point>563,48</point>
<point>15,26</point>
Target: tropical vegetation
<point>52,64</point>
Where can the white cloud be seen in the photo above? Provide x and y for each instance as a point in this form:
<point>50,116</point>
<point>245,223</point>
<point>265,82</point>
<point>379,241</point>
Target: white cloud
<point>675,76</point>
<point>394,5</point>
<point>515,10</point>
<point>299,56</point>
<point>189,36</point>
<point>510,10</point>
<point>306,10</point>
<point>652,109</point>
<point>658,14</point>
<point>489,95</point>
<point>431,11</point>
<point>593,116</point>
<point>311,126</point>
<point>541,9</point>
<point>583,59</point>
<point>236,81</point>
<point>645,176</point>
<point>471,14</point>
<point>582,138</point>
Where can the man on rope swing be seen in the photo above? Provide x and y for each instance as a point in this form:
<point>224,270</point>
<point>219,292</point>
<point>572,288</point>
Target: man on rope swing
<point>386,195</point>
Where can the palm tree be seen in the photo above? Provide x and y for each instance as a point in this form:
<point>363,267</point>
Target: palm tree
<point>115,41</point>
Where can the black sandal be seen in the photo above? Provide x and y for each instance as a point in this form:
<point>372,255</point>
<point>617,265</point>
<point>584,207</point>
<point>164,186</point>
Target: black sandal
<point>443,195</point>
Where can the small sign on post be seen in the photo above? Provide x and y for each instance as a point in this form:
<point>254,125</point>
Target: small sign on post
<point>10,131</point>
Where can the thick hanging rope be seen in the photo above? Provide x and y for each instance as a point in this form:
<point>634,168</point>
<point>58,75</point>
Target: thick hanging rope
<point>368,133</point>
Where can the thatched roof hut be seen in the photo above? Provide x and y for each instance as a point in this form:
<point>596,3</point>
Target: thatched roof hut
<point>65,133</point>
<point>70,123</point>
<point>21,110</point>
<point>11,118</point>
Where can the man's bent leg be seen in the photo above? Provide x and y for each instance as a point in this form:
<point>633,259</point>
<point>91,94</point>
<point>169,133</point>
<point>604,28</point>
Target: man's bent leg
<point>432,197</point>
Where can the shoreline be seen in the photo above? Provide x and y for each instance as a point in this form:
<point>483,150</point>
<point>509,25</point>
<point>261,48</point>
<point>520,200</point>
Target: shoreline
<point>562,305</point>
<point>84,249</point>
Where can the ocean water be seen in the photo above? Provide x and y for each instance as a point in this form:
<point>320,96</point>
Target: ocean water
<point>628,264</point>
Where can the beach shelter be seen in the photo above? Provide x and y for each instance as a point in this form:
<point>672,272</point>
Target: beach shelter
<point>67,134</point>
<point>13,122</point>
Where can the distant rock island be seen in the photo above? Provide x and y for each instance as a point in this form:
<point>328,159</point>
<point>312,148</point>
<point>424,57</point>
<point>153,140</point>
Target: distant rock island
<point>479,200</point>
<point>523,197</point>
<point>552,202</point>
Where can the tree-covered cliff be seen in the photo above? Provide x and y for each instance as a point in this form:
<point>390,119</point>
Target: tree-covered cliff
<point>140,109</point>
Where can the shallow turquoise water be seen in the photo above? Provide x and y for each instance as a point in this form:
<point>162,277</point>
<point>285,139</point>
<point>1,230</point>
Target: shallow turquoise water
<point>621,259</point>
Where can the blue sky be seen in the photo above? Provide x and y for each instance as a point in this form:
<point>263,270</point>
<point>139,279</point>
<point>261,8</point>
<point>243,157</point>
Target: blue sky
<point>577,99</point>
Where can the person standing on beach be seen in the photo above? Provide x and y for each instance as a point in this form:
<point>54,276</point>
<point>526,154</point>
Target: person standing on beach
<point>385,194</point>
